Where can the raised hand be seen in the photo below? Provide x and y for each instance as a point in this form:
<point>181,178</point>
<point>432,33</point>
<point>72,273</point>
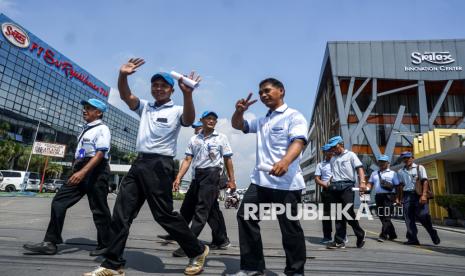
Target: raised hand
<point>131,66</point>
<point>186,89</point>
<point>243,104</point>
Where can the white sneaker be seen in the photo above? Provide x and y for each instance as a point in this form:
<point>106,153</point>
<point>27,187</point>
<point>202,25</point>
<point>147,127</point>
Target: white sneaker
<point>103,271</point>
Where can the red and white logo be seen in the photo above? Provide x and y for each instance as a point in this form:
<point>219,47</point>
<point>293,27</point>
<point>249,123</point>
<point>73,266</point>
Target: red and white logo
<point>15,35</point>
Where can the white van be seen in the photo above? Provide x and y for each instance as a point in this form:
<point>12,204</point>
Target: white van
<point>16,180</point>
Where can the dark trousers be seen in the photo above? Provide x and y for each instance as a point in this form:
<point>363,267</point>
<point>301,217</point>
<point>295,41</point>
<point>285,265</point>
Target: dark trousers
<point>150,178</point>
<point>250,239</point>
<point>384,208</point>
<point>201,206</point>
<point>413,211</point>
<point>95,186</point>
<point>345,197</point>
<point>327,224</point>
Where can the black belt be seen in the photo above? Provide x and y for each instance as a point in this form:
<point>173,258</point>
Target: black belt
<point>201,170</point>
<point>344,182</point>
<point>143,155</point>
<point>410,192</point>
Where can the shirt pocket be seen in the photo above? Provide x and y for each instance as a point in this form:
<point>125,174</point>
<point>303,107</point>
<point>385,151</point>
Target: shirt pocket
<point>278,136</point>
<point>162,126</point>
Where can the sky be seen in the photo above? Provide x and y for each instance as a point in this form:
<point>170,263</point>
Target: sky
<point>232,44</point>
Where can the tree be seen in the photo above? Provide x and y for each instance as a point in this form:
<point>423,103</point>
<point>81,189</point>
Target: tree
<point>130,157</point>
<point>9,149</point>
<point>36,164</point>
<point>54,170</point>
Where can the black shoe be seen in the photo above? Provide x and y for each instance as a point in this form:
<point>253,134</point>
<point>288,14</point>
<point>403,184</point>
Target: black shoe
<point>42,248</point>
<point>179,253</point>
<point>98,252</point>
<point>166,237</point>
<point>225,245</point>
<point>412,243</point>
<point>436,240</point>
<point>361,240</point>
<point>335,245</point>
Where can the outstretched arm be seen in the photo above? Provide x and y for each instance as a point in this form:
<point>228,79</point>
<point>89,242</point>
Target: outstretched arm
<point>124,92</point>
<point>188,113</point>
<point>237,120</point>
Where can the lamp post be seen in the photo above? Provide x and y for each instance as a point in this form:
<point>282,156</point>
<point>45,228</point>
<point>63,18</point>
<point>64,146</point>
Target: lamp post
<point>35,137</point>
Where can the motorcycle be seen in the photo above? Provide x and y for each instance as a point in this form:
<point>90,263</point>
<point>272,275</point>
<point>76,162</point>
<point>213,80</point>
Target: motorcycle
<point>232,200</point>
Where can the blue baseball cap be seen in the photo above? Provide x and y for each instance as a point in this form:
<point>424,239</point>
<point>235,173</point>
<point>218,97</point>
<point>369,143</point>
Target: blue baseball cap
<point>208,113</point>
<point>334,141</point>
<point>165,76</point>
<point>406,154</point>
<point>197,124</point>
<point>325,147</point>
<point>383,157</point>
<point>95,103</point>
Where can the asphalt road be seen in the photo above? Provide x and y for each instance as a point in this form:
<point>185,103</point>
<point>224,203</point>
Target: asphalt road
<point>25,220</point>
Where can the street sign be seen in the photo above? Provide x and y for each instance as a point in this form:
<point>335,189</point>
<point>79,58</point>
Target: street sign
<point>49,149</point>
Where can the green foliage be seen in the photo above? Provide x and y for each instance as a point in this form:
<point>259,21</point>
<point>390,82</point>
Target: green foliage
<point>130,157</point>
<point>178,196</point>
<point>456,201</point>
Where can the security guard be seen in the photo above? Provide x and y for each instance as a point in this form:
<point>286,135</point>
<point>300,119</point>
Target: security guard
<point>276,178</point>
<point>206,151</point>
<point>152,173</point>
<point>322,178</point>
<point>215,220</point>
<point>90,177</point>
<point>344,165</point>
<point>415,206</point>
<point>384,182</point>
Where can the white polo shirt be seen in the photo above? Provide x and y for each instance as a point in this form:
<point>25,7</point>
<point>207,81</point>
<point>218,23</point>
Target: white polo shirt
<point>275,133</point>
<point>158,128</point>
<point>344,165</point>
<point>388,175</point>
<point>409,176</point>
<point>208,151</point>
<point>323,170</point>
<point>97,138</point>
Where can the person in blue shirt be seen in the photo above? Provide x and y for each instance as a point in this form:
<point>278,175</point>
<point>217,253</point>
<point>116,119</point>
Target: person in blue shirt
<point>276,178</point>
<point>151,175</point>
<point>385,196</point>
<point>415,206</point>
<point>323,176</point>
<point>91,174</point>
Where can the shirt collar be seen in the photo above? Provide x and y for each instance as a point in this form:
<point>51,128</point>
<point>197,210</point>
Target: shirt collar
<point>96,122</point>
<point>280,109</point>
<point>167,104</point>
<point>214,133</point>
<point>413,166</point>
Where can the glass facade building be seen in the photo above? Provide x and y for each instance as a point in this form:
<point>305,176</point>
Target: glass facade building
<point>380,95</point>
<point>39,83</point>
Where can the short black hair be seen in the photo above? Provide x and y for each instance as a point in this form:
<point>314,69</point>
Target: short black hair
<point>276,83</point>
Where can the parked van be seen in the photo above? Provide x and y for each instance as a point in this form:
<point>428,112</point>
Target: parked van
<point>16,180</point>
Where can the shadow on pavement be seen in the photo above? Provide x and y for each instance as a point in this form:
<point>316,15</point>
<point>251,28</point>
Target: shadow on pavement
<point>148,263</point>
<point>445,250</point>
<point>313,240</point>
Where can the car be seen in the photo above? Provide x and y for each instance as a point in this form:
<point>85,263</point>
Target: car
<point>13,180</point>
<point>53,185</point>
<point>1,178</point>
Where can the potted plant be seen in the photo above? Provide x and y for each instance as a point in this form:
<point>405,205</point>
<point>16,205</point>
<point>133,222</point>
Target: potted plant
<point>455,205</point>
